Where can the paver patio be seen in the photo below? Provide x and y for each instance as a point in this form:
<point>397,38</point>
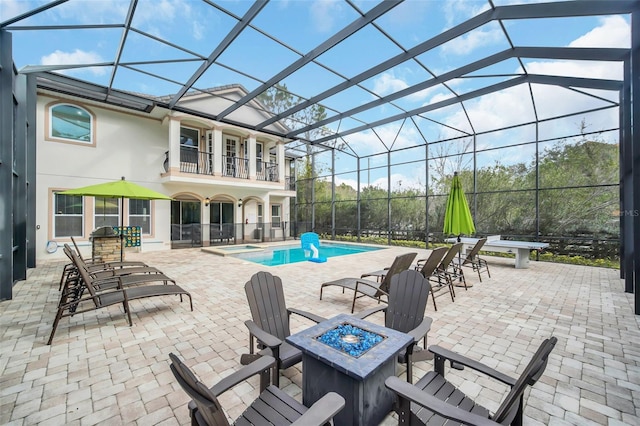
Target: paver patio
<point>101,371</point>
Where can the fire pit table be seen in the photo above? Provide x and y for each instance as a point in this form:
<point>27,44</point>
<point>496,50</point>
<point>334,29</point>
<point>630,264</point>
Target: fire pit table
<point>351,357</point>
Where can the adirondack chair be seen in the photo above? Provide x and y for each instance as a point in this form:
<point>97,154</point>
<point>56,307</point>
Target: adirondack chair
<point>84,294</point>
<point>435,401</point>
<point>270,322</point>
<point>473,260</point>
<point>363,287</point>
<point>272,407</point>
<point>428,268</point>
<point>408,295</point>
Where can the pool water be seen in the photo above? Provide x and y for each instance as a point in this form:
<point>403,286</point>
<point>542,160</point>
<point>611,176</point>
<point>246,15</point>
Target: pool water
<point>282,255</point>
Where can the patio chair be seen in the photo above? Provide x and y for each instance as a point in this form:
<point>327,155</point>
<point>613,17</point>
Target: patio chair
<point>446,273</point>
<point>408,295</point>
<point>102,294</point>
<point>270,322</point>
<point>428,267</point>
<point>125,276</point>
<point>95,264</point>
<point>370,288</point>
<point>272,407</point>
<point>435,401</point>
<point>473,260</point>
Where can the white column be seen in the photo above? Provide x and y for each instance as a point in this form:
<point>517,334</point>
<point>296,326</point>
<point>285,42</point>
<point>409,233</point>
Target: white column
<point>174,144</point>
<point>280,160</point>
<point>217,151</point>
<point>251,150</point>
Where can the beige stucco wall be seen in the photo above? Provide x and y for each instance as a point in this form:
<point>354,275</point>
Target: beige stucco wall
<point>127,144</point>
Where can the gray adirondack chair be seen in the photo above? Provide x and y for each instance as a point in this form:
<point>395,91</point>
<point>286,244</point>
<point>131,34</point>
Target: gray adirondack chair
<point>408,295</point>
<point>435,401</point>
<point>375,289</point>
<point>272,407</point>
<point>270,322</point>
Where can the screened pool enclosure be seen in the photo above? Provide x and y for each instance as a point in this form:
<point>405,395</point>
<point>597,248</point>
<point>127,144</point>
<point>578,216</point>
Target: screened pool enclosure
<point>531,102</point>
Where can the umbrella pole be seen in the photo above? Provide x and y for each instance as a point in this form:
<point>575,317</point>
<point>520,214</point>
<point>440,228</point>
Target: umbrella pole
<point>121,227</point>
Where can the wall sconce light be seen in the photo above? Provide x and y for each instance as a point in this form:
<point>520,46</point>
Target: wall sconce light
<point>207,201</point>
<point>239,202</point>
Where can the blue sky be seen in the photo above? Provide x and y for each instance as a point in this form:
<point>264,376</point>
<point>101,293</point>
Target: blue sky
<point>302,25</point>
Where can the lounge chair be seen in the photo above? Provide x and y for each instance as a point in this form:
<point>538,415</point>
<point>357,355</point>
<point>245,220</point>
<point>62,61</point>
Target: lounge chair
<point>435,401</point>
<point>94,264</point>
<point>371,288</point>
<point>408,295</point>
<point>473,260</point>
<point>83,294</point>
<point>272,407</point>
<point>124,275</point>
<point>446,273</point>
<point>270,322</point>
<point>428,268</point>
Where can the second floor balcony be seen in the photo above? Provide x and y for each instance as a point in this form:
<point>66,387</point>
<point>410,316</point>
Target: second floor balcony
<point>203,163</point>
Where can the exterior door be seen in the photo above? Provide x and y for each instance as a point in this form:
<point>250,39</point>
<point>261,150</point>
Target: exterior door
<point>185,222</point>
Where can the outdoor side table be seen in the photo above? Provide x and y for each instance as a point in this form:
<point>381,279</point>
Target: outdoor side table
<point>359,380</point>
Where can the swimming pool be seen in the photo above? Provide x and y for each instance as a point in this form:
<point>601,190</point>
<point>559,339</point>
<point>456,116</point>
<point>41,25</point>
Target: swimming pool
<point>282,255</point>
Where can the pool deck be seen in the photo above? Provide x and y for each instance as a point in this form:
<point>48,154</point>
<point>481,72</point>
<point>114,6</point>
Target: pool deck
<point>101,371</point>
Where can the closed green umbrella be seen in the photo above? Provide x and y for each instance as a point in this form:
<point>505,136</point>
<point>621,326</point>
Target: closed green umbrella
<point>118,189</point>
<point>457,217</point>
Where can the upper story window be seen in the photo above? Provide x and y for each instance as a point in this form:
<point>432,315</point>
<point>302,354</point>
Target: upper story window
<point>189,145</point>
<point>71,122</point>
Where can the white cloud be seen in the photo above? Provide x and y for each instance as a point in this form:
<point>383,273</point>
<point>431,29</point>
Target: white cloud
<point>456,11</point>
<point>614,31</point>
<point>75,58</point>
<point>388,83</point>
<point>12,8</point>
<point>323,13</point>
<point>471,41</point>
<point>398,181</point>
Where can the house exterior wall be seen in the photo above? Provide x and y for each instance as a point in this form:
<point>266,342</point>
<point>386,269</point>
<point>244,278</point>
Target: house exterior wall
<point>134,145</point>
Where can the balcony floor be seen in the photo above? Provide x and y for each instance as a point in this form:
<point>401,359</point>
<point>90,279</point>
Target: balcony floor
<point>100,371</point>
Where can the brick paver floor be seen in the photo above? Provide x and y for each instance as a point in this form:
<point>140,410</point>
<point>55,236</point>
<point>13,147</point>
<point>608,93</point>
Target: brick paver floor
<point>101,371</point>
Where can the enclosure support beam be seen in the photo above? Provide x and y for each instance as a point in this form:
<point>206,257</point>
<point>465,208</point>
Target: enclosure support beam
<point>635,178</point>
<point>6,166</point>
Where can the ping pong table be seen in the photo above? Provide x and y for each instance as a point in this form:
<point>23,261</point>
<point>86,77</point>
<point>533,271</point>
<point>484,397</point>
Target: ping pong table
<point>494,243</point>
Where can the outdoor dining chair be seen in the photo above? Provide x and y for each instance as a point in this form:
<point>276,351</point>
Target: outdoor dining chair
<point>435,401</point>
<point>272,407</point>
<point>270,322</point>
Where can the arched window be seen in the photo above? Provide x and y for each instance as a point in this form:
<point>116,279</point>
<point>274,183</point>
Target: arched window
<point>71,122</point>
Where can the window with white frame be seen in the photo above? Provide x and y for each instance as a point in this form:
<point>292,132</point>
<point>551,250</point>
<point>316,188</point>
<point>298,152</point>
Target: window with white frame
<point>140,215</point>
<point>70,122</point>
<point>276,216</point>
<point>67,216</point>
<point>259,213</point>
<point>106,212</point>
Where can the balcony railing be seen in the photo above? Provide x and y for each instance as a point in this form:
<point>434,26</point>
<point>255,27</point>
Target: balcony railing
<point>290,183</point>
<point>235,167</point>
<point>192,161</point>
<point>200,162</point>
<point>267,171</point>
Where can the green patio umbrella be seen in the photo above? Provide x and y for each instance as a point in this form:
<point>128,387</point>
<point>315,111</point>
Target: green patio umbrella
<point>118,189</point>
<point>457,217</point>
